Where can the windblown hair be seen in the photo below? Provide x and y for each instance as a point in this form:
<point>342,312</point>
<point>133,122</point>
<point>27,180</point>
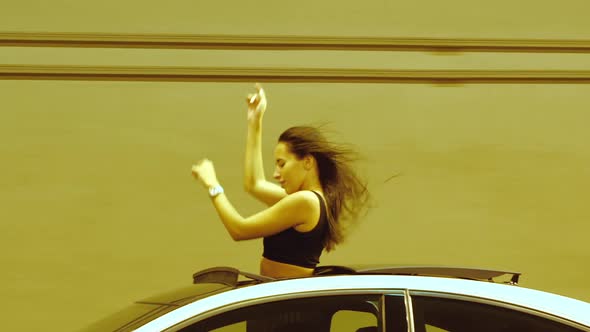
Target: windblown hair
<point>346,193</point>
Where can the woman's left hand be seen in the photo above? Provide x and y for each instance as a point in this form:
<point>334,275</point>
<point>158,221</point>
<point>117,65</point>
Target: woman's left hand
<point>204,171</point>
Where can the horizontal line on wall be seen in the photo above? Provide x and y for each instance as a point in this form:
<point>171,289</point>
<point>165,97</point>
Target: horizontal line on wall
<point>254,42</point>
<point>288,75</point>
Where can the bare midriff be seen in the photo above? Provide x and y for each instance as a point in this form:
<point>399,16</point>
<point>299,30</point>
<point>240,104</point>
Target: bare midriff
<point>274,269</point>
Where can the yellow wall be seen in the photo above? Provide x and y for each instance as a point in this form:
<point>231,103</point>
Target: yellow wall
<point>455,18</point>
<point>99,207</point>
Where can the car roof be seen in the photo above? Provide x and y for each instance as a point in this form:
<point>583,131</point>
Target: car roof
<point>564,307</point>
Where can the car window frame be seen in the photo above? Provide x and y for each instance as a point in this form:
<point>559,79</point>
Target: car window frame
<point>461,297</point>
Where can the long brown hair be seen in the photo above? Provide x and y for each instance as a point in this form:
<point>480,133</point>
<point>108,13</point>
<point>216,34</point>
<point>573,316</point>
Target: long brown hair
<point>346,193</point>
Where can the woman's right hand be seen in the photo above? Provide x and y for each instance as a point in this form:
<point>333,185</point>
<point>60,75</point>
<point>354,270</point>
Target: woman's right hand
<point>256,104</point>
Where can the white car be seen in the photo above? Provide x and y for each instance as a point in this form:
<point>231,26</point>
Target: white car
<point>420,299</point>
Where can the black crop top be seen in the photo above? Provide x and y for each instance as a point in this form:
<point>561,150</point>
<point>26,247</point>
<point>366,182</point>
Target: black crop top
<point>298,248</point>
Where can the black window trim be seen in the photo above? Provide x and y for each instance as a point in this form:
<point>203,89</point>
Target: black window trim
<point>497,303</point>
<point>281,297</point>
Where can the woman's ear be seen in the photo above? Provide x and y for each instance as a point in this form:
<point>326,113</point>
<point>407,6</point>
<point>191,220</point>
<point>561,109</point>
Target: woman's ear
<point>308,162</point>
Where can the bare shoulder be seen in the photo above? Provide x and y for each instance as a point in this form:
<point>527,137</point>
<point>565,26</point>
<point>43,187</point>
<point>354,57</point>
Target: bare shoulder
<point>305,203</point>
<point>303,197</point>
<point>308,209</point>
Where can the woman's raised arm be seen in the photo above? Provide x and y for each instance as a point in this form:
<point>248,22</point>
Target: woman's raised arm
<point>255,181</point>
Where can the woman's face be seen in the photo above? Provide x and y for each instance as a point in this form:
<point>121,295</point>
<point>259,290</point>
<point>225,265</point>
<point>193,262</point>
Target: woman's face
<point>289,170</point>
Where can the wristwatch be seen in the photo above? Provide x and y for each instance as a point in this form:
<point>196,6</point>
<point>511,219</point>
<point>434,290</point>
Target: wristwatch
<point>215,191</point>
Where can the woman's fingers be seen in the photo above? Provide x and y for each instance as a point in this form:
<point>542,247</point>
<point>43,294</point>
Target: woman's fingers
<point>259,95</point>
<point>252,98</point>
<point>256,101</point>
<point>198,167</point>
<point>260,91</point>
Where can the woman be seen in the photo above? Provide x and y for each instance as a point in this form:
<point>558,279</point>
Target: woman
<point>318,189</point>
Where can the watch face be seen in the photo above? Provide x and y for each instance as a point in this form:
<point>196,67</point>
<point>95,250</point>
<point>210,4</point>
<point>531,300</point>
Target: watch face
<point>214,191</point>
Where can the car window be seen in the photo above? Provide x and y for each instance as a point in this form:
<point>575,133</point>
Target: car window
<point>351,320</point>
<point>338,313</point>
<point>435,314</point>
<point>342,321</point>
